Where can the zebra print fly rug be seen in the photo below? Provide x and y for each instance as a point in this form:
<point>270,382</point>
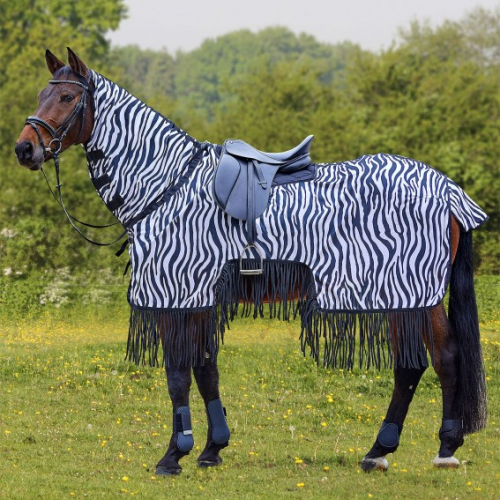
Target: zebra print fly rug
<point>366,242</point>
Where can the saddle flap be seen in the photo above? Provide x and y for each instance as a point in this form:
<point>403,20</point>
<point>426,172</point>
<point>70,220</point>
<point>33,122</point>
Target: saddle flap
<point>227,174</point>
<point>237,187</point>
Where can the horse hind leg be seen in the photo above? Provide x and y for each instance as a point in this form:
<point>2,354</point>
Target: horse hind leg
<point>446,365</point>
<point>181,442</point>
<point>207,379</point>
<point>405,385</point>
<point>457,352</point>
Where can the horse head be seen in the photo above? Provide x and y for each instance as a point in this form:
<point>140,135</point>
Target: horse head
<point>64,115</point>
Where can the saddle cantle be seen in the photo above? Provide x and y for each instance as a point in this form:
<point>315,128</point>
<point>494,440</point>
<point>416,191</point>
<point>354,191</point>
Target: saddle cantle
<point>245,175</point>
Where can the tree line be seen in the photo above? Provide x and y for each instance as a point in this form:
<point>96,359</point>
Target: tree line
<point>434,95</point>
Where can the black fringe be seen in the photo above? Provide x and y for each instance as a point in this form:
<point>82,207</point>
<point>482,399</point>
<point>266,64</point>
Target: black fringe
<point>193,335</point>
<point>382,338</point>
<point>283,285</point>
<point>189,336</point>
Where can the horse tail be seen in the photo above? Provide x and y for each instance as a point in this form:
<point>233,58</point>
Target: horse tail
<point>462,313</point>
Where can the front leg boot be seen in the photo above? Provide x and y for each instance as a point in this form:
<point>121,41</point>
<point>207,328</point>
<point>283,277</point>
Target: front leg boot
<point>218,435</point>
<point>181,444</point>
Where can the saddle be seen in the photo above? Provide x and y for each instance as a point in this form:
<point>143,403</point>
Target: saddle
<point>245,175</point>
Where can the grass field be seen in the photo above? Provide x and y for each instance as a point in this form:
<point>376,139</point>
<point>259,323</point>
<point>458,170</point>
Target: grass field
<point>77,421</point>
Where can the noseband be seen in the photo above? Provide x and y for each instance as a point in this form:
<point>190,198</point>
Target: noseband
<point>60,133</point>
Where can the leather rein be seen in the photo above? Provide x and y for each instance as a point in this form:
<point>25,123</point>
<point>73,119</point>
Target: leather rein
<point>54,150</point>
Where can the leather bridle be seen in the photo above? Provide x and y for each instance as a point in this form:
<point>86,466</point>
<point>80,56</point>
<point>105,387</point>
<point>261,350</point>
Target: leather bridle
<point>54,149</point>
<point>59,134</point>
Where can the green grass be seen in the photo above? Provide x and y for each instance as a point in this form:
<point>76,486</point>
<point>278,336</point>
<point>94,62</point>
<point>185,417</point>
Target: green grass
<point>77,421</point>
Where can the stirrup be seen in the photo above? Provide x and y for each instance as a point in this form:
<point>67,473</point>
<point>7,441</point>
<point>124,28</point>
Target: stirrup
<point>251,272</point>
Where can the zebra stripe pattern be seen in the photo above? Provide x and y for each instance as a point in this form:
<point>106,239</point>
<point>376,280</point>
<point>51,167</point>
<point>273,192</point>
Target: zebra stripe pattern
<point>143,151</point>
<point>373,233</point>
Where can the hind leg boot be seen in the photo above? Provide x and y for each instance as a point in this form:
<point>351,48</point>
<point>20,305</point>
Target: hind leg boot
<point>452,437</point>
<point>387,442</point>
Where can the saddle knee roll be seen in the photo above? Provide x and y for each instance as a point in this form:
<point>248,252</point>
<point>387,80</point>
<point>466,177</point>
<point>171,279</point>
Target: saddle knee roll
<point>218,423</point>
<point>388,436</point>
<point>182,426</point>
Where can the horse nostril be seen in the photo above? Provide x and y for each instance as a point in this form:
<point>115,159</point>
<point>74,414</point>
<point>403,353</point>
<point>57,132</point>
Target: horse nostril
<point>24,150</point>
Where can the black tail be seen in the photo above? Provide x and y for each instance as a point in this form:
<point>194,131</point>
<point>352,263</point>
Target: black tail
<point>462,312</point>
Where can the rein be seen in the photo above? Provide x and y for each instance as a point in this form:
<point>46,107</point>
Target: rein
<point>54,150</point>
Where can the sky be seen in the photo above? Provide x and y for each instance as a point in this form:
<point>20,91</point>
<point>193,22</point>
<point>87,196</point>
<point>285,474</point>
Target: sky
<point>373,24</point>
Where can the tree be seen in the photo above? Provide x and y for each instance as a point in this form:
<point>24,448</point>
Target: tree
<point>146,73</point>
<point>210,75</point>
<point>435,96</point>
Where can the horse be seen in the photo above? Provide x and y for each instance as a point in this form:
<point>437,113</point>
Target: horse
<point>125,141</point>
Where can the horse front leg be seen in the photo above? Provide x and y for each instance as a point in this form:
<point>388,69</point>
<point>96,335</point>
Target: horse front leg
<point>405,385</point>
<point>181,442</point>
<point>207,379</point>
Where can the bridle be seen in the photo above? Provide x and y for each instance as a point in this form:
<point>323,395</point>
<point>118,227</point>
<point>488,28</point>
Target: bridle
<point>58,135</point>
<point>54,147</point>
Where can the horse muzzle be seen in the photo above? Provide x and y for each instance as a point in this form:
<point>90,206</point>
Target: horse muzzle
<point>29,155</point>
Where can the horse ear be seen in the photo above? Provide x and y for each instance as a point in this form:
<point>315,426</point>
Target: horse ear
<point>53,63</point>
<point>76,64</point>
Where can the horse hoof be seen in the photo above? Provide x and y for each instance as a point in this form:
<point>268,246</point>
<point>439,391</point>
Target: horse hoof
<point>379,463</point>
<point>445,462</point>
<point>167,471</point>
<point>204,464</point>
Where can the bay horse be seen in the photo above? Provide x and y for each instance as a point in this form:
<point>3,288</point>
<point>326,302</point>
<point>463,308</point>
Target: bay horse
<point>70,113</point>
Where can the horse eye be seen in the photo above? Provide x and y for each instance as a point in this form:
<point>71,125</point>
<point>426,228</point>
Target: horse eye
<point>67,98</point>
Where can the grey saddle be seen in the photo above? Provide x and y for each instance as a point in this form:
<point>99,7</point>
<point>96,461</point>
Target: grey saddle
<point>245,175</point>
